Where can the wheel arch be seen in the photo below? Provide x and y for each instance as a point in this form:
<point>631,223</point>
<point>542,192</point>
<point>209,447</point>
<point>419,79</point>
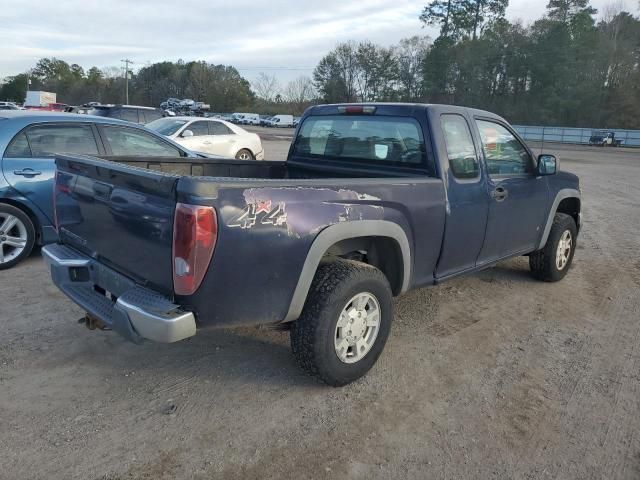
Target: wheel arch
<point>568,200</point>
<point>250,150</point>
<point>386,240</point>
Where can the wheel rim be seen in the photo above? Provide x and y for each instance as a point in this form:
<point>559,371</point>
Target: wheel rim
<point>564,250</point>
<point>13,237</point>
<point>357,328</point>
<point>244,156</point>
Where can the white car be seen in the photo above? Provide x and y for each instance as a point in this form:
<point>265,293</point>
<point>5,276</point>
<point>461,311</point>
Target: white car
<point>210,135</point>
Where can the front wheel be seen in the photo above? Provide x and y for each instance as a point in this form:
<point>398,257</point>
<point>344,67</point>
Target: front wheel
<point>345,322</point>
<point>244,154</point>
<point>17,236</point>
<point>552,262</point>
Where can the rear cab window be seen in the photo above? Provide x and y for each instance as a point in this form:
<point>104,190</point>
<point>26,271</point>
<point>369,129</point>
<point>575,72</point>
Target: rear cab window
<point>364,139</point>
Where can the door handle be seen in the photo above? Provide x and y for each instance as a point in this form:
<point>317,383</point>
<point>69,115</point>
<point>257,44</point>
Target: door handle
<point>499,193</point>
<point>27,172</point>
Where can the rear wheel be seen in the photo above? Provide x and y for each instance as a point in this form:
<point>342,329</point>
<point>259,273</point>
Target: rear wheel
<point>552,262</point>
<point>244,154</point>
<point>345,322</point>
<point>17,236</point>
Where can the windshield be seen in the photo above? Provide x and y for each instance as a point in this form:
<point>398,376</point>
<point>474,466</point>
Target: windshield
<point>360,138</point>
<point>166,126</point>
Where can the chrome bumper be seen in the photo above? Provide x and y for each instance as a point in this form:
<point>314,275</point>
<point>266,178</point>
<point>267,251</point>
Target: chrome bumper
<point>134,312</point>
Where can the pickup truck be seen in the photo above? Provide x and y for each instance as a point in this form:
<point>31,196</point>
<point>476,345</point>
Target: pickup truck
<point>373,200</point>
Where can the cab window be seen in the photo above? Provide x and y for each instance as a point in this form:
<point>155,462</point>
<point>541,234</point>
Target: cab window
<point>460,150</point>
<point>362,138</point>
<point>503,152</point>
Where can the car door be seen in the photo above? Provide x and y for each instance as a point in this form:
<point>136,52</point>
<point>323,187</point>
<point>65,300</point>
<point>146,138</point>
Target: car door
<point>200,141</point>
<point>223,139</point>
<point>468,202</point>
<point>29,161</point>
<point>517,196</point>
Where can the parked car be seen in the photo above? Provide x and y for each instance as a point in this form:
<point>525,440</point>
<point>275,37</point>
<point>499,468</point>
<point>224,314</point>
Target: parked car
<point>128,113</point>
<point>373,200</point>
<point>209,135</point>
<point>8,107</point>
<point>604,138</point>
<point>251,119</point>
<point>264,120</point>
<point>29,141</point>
<point>296,121</point>
<point>281,121</point>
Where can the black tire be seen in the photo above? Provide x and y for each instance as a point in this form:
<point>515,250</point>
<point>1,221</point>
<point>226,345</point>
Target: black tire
<point>243,152</point>
<point>30,236</point>
<point>543,263</point>
<point>313,334</point>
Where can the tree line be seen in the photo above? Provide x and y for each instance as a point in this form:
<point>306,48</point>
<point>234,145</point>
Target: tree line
<point>564,69</point>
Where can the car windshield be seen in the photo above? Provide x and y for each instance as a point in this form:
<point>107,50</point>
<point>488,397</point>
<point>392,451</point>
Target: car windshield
<point>166,126</point>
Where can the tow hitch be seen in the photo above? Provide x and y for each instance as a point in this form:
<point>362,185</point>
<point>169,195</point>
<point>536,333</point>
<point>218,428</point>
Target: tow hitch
<point>92,323</point>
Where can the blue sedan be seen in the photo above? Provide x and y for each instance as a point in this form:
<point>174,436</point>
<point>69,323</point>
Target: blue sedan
<point>28,143</point>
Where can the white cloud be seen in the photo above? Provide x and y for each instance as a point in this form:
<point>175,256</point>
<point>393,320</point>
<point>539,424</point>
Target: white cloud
<point>285,37</point>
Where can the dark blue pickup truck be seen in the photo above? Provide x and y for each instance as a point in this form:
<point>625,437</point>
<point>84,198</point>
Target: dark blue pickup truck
<point>373,200</point>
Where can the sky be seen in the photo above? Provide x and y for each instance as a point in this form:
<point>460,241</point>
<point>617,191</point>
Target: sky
<point>285,38</point>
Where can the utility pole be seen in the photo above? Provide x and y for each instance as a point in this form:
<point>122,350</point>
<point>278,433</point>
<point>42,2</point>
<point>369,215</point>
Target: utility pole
<point>126,62</point>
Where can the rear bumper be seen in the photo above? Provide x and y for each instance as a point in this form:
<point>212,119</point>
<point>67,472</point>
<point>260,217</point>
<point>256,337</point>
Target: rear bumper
<point>134,312</point>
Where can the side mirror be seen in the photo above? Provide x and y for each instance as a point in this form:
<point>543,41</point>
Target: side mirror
<point>547,164</point>
<point>187,134</point>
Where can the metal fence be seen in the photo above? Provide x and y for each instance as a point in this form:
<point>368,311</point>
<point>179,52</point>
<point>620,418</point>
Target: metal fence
<point>630,138</point>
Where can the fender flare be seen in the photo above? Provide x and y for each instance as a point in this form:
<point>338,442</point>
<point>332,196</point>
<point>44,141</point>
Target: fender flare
<point>343,231</point>
<point>561,195</point>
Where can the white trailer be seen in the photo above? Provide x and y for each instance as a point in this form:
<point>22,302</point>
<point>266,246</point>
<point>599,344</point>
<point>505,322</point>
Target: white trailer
<point>36,98</point>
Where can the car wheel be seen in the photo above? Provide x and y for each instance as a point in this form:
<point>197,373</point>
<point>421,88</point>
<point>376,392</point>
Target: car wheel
<point>552,262</point>
<point>17,236</point>
<point>244,154</point>
<point>345,322</point>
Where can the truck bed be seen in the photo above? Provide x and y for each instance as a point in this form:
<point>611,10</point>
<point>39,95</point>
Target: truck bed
<point>268,215</point>
<point>256,169</point>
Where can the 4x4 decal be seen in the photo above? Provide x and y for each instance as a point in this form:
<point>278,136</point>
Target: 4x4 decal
<point>269,215</point>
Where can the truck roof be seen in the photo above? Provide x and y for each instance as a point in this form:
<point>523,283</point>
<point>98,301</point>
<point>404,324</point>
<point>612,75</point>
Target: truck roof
<point>438,107</point>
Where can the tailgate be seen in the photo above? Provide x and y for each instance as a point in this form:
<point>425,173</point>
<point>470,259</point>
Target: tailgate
<point>119,215</point>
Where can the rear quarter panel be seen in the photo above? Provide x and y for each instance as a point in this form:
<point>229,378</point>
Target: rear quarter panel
<point>266,231</point>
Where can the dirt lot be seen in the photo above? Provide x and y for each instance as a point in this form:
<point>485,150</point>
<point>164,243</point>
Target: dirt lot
<point>490,376</point>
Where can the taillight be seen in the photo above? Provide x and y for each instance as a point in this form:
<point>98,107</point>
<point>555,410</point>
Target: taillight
<point>195,231</point>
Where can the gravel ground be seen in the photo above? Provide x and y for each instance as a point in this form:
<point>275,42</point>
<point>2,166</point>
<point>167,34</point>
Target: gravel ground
<point>490,376</point>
